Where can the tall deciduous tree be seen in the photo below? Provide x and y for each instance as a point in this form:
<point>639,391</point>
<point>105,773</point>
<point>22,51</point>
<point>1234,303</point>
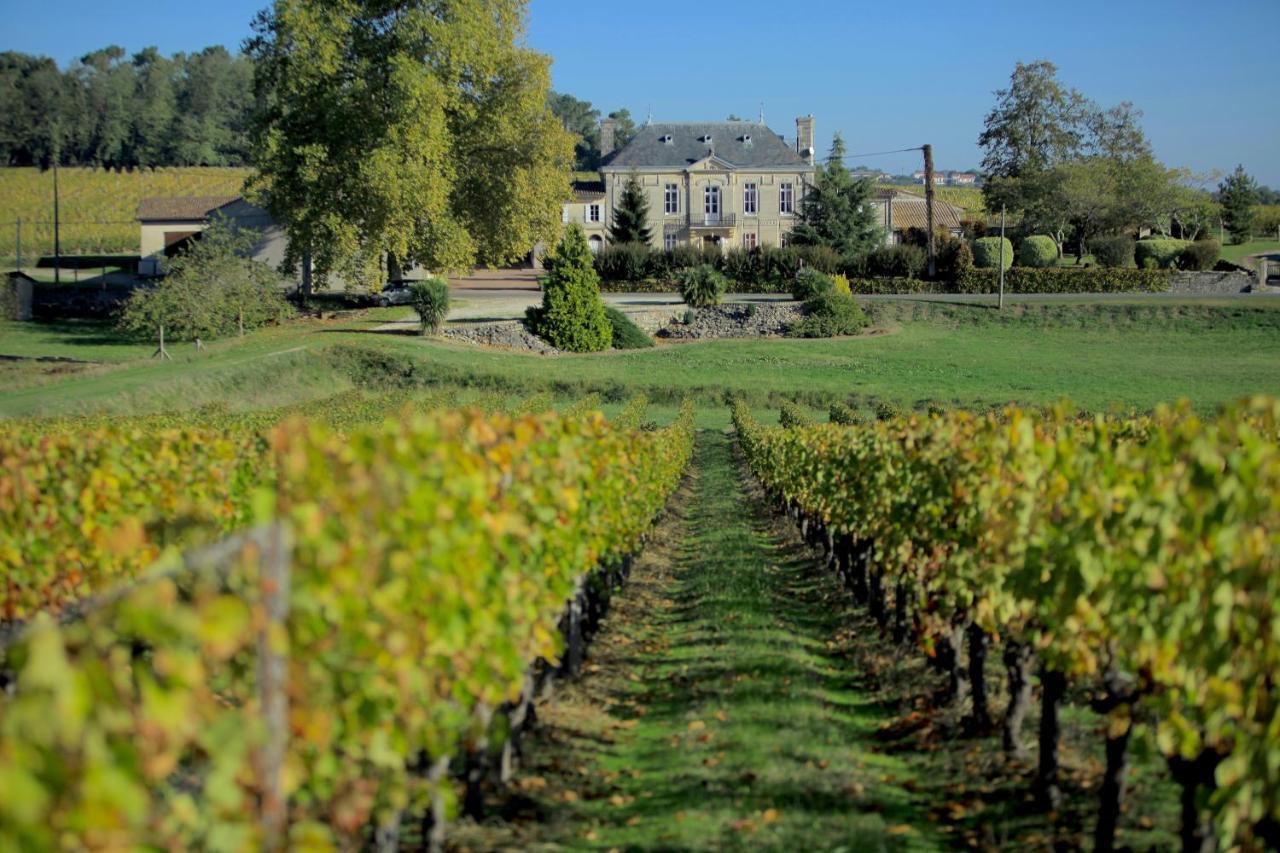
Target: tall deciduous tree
<point>1237,194</point>
<point>837,210</point>
<point>631,216</point>
<point>417,131</point>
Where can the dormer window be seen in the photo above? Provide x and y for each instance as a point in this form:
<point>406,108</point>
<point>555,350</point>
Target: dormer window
<point>706,139</point>
<point>666,139</point>
<point>746,139</point>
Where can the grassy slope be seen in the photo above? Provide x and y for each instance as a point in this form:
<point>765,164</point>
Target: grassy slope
<point>1096,355</point>
<point>719,715</point>
<point>1235,253</point>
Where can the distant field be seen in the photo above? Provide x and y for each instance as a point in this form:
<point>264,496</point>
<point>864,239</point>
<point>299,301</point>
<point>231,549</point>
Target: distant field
<point>970,198</point>
<point>97,205</point>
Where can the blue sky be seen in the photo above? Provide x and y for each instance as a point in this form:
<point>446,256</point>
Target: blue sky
<point>1203,73</point>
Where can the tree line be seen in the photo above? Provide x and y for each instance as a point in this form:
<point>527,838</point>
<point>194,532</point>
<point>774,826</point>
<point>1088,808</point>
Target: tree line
<point>1073,169</point>
<point>115,110</point>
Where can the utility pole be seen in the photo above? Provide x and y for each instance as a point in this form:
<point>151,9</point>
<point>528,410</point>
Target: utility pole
<point>928,208</point>
<point>57,236</point>
<point>1000,305</point>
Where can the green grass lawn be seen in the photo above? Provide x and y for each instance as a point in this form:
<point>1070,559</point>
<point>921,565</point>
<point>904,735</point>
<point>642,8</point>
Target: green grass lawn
<point>1097,355</point>
<point>1236,253</point>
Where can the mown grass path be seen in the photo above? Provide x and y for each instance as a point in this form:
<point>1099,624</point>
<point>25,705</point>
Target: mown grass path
<point>716,712</point>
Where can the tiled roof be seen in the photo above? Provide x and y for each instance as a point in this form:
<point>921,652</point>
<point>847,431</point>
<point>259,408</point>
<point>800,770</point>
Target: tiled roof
<point>744,144</point>
<point>588,190</point>
<point>911,213</point>
<point>181,207</point>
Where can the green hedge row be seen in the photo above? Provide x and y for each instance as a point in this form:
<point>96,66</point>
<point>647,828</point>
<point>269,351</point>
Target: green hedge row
<point>1064,280</point>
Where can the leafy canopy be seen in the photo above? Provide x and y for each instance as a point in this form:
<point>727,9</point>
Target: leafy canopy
<point>421,133</point>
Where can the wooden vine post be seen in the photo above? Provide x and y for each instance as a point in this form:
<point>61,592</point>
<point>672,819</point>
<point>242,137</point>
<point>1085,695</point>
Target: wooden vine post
<point>273,682</point>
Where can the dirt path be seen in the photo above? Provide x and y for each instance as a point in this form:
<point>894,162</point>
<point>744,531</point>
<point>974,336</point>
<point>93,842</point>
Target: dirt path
<point>716,712</point>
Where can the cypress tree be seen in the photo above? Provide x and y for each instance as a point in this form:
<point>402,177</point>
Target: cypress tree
<point>631,216</point>
<point>837,210</point>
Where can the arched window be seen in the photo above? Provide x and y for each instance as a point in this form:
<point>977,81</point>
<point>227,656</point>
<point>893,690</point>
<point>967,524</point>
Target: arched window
<point>595,244</point>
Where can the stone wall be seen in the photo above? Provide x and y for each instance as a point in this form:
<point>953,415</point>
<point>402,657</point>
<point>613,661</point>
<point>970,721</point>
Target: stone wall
<point>509,334</point>
<point>751,320</point>
<point>1210,283</point>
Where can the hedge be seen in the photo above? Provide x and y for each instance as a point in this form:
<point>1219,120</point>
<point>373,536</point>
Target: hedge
<point>1065,280</point>
<point>1162,251</point>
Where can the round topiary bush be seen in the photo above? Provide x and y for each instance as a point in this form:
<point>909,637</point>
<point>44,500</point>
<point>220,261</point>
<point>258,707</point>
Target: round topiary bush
<point>1159,252</point>
<point>808,283</point>
<point>431,301</point>
<point>702,286</point>
<point>1112,252</point>
<point>986,252</point>
<point>1038,252</point>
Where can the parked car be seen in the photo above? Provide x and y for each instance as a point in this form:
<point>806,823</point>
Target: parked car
<point>393,293</point>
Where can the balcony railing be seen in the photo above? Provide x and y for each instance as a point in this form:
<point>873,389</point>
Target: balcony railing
<point>713,220</point>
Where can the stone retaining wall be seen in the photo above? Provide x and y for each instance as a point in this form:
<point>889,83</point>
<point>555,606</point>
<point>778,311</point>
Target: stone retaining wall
<point>751,320</point>
<point>510,334</point>
<point>1211,283</point>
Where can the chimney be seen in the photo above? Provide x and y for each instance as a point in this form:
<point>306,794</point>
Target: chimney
<point>607,127</point>
<point>804,138</point>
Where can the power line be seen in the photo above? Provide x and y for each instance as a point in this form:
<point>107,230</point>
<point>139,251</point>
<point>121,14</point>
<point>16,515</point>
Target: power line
<point>880,153</point>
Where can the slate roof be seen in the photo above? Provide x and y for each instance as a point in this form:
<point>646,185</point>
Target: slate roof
<point>588,190</point>
<point>181,207</point>
<point>764,150</point>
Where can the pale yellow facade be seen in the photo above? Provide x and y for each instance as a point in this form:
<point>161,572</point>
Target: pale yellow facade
<point>715,203</point>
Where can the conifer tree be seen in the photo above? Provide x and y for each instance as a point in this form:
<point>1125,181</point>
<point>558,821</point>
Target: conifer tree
<point>837,210</point>
<point>571,316</point>
<point>1238,194</point>
<point>631,216</point>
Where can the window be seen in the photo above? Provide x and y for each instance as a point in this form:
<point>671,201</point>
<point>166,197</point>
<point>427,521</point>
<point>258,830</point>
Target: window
<point>711,203</point>
<point>595,244</point>
<point>671,199</point>
<point>750,199</point>
<point>749,240</point>
<point>668,241</point>
<point>786,198</point>
<point>593,213</point>
<point>784,240</point>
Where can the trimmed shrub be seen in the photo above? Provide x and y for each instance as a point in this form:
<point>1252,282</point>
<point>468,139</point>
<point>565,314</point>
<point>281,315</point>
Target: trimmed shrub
<point>1112,252</point>
<point>900,261</point>
<point>571,316</point>
<point>1163,251</point>
<point>702,286</point>
<point>986,252</point>
<point>822,258</point>
<point>1200,255</point>
<point>792,415</point>
<point>841,284</point>
<point>870,286</point>
<point>623,262</point>
<point>741,266</point>
<point>1038,252</point>
<point>829,314</point>
<point>808,283</point>
<point>843,414</point>
<point>955,259</point>
<point>626,334</point>
<point>431,301</point>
